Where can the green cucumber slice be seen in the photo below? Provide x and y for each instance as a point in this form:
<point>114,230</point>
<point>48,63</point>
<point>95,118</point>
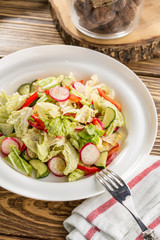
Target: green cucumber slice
<point>33,86</point>
<point>66,81</point>
<point>101,162</point>
<point>6,128</point>
<point>24,89</point>
<point>25,156</point>
<point>109,117</point>
<point>40,167</point>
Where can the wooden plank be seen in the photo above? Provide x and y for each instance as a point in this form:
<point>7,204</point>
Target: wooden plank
<point>29,218</point>
<point>26,24</point>
<point>142,43</point>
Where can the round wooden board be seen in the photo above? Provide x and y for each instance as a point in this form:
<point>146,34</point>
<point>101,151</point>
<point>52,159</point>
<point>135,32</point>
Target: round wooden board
<point>142,43</point>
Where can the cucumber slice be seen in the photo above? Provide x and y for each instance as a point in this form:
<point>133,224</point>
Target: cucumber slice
<point>25,156</point>
<point>33,86</point>
<point>40,167</point>
<point>101,162</point>
<point>24,89</point>
<point>6,128</point>
<point>66,81</point>
<point>109,117</point>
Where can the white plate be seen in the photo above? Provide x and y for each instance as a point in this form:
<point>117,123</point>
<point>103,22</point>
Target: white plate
<point>137,105</point>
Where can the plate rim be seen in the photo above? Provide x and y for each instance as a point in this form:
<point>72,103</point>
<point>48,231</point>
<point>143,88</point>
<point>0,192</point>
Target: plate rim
<point>23,51</point>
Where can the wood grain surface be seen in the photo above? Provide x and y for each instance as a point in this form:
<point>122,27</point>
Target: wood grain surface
<point>142,43</point>
<point>26,24</point>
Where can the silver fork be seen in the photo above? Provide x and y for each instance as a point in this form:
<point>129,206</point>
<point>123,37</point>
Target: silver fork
<point>121,192</point>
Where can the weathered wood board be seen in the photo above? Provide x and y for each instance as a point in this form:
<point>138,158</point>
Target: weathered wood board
<point>142,43</point>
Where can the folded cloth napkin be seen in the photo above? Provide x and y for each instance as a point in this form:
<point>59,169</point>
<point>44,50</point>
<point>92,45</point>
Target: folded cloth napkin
<point>102,217</point>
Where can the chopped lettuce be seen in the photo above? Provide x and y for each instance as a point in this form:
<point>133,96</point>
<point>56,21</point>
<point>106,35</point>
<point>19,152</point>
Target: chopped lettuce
<point>37,142</point>
<point>46,111</point>
<point>3,98</point>
<point>19,119</point>
<point>61,126</point>
<point>18,163</point>
<point>85,114</point>
<point>15,102</point>
<point>50,82</point>
<point>71,157</point>
<point>89,134</point>
<point>3,114</point>
<point>112,139</point>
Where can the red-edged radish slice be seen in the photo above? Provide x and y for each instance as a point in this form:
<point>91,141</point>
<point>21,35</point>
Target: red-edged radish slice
<point>80,127</point>
<point>89,154</point>
<point>57,165</point>
<point>79,87</point>
<point>22,145</point>
<point>30,153</point>
<point>95,121</point>
<point>59,94</point>
<point>6,145</point>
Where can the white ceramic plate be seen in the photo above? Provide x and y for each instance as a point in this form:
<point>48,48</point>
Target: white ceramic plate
<point>137,106</point>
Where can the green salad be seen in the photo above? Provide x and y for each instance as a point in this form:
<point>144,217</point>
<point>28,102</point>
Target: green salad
<point>60,125</point>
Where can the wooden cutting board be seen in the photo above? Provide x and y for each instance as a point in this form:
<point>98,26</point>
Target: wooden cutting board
<point>142,43</point>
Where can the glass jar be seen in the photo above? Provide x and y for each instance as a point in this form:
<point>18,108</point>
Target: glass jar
<point>105,19</point>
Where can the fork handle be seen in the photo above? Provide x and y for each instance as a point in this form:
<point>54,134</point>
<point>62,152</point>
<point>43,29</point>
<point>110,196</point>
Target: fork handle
<point>150,235</point>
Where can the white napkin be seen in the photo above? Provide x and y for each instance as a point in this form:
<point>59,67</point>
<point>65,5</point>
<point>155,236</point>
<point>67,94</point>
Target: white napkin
<point>103,218</point>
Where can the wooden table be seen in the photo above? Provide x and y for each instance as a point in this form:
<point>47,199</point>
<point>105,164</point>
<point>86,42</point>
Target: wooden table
<point>26,24</point>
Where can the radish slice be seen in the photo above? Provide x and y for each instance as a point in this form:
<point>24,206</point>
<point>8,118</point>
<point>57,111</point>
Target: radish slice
<point>59,94</point>
<point>89,154</point>
<point>6,145</point>
<point>57,165</point>
<point>79,87</point>
<point>22,145</point>
<point>96,120</point>
<point>30,153</point>
<point>80,127</point>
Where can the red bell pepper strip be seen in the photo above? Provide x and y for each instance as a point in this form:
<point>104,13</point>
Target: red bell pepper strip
<point>81,81</point>
<point>29,100</point>
<point>34,124</point>
<point>88,169</point>
<point>113,150</point>
<point>67,87</point>
<point>70,114</point>
<point>74,98</point>
<point>110,158</point>
<point>39,122</point>
<point>103,94</point>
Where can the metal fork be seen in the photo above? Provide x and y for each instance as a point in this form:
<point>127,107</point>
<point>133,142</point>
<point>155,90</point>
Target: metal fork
<point>121,192</point>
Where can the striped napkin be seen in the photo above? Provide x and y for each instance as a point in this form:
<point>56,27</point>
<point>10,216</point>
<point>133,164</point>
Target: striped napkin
<point>103,218</point>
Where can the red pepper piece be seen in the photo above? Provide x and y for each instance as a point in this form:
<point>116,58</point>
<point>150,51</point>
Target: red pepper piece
<point>103,94</point>
<point>29,100</point>
<point>88,169</point>
<point>35,124</point>
<point>74,98</point>
<point>113,150</point>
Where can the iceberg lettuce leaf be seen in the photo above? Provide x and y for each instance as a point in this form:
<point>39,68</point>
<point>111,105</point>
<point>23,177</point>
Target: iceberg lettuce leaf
<point>71,157</point>
<point>19,119</point>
